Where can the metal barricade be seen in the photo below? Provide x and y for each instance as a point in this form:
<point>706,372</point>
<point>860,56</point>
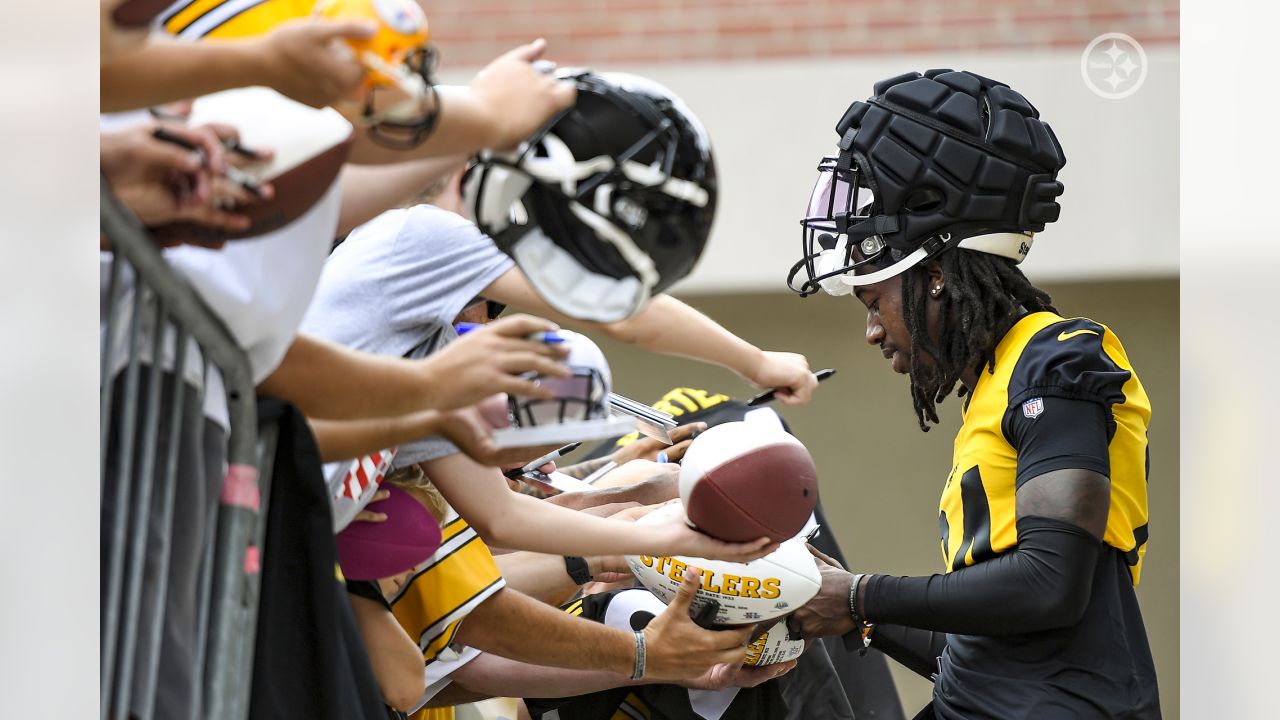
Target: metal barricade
<point>228,590</point>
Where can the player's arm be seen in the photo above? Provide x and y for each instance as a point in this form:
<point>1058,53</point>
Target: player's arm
<point>295,58</point>
<point>669,326</point>
<point>370,190</point>
<point>513,521</point>
<point>1044,582</point>
<point>328,381</point>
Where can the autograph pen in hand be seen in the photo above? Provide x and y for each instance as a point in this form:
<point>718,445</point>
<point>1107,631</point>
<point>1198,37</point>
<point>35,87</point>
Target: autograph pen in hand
<point>768,395</point>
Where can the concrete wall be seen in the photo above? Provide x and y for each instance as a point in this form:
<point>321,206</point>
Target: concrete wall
<point>881,477</point>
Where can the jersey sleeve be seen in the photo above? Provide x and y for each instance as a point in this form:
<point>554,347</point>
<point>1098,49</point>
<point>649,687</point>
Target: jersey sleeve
<point>1067,360</point>
<point>1061,393</point>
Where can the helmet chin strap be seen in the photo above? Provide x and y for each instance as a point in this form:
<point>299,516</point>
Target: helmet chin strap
<point>1010,245</point>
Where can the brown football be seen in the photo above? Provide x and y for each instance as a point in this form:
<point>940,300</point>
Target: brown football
<point>740,481</point>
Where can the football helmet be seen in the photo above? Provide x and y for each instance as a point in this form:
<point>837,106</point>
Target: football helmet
<point>928,163</point>
<point>579,409</point>
<point>400,66</point>
<point>606,205</point>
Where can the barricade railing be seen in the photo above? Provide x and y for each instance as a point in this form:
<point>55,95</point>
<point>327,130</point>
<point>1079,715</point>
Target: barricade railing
<point>164,306</point>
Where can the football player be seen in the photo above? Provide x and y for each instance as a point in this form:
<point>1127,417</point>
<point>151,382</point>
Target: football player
<point>938,186</point>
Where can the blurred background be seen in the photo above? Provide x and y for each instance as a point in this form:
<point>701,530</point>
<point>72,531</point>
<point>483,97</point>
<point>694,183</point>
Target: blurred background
<point>769,79</point>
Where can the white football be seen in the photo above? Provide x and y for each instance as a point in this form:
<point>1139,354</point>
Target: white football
<point>776,646</point>
<point>763,589</point>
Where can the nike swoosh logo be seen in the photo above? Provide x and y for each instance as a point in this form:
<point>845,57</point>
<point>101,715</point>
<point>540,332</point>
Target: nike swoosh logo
<point>1064,336</point>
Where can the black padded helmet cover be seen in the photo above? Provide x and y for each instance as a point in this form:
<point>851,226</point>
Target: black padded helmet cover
<point>948,157</point>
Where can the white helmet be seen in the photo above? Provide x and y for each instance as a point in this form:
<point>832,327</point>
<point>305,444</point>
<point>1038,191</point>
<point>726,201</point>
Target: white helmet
<point>579,410</point>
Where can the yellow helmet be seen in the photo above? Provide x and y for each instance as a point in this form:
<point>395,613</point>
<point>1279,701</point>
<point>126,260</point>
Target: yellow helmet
<point>402,33</point>
<point>397,57</point>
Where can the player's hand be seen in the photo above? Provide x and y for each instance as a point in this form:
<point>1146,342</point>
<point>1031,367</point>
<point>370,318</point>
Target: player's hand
<point>740,676</point>
<point>647,448</point>
<point>471,429</point>
<point>677,649</point>
<point>367,515</point>
<point>788,372</point>
<point>494,359</point>
<point>302,59</point>
<point>677,538</point>
<point>828,612</point>
<point>516,98</point>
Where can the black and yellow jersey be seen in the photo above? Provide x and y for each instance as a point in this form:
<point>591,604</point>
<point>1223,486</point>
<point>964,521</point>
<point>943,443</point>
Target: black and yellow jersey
<point>1045,356</point>
<point>196,19</point>
<point>445,588</point>
<point>1061,394</point>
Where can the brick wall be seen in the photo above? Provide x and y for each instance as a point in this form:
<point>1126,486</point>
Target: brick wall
<point>470,32</point>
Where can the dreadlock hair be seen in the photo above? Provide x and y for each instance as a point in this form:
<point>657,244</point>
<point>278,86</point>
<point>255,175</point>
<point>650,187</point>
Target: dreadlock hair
<point>983,295</point>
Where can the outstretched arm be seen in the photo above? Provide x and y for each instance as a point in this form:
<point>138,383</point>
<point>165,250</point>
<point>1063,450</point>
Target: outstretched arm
<point>669,326</point>
<point>512,521</point>
<point>328,381</point>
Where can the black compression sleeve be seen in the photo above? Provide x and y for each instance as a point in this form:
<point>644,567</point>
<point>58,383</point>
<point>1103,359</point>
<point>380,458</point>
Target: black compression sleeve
<point>1043,583</point>
<point>915,649</point>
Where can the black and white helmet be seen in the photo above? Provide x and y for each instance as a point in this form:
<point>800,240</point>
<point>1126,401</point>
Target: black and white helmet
<point>608,204</point>
<point>928,163</point>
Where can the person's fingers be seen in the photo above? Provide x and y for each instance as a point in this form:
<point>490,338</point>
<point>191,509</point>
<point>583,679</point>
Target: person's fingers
<point>370,516</point>
<point>380,496</point>
<point>734,656</point>
<point>685,593</point>
<point>787,397</point>
<point>564,94</point>
<point>208,141</point>
<point>226,133</point>
<point>355,29</point>
<point>167,155</point>
<point>824,557</point>
<point>522,362</point>
<point>677,451</point>
<point>524,388</point>
<point>529,51</point>
<point>205,214</point>
<point>228,194</point>
<point>508,344</point>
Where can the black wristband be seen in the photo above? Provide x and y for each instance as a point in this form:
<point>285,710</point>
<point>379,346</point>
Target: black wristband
<point>577,568</point>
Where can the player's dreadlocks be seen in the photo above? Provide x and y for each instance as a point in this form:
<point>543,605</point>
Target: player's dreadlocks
<point>982,298</point>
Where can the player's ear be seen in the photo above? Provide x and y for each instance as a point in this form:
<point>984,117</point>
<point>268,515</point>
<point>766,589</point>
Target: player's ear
<point>937,283</point>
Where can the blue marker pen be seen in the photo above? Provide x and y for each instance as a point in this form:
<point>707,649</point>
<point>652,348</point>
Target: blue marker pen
<point>549,338</point>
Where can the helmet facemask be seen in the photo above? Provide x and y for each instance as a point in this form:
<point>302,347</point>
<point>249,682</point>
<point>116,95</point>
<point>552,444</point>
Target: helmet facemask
<point>409,122</point>
<point>579,408</point>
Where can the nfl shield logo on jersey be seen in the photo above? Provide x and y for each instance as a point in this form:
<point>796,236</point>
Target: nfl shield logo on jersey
<point>1033,407</point>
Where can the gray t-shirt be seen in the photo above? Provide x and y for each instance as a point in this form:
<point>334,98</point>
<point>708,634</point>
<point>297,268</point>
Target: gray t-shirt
<point>396,284</point>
